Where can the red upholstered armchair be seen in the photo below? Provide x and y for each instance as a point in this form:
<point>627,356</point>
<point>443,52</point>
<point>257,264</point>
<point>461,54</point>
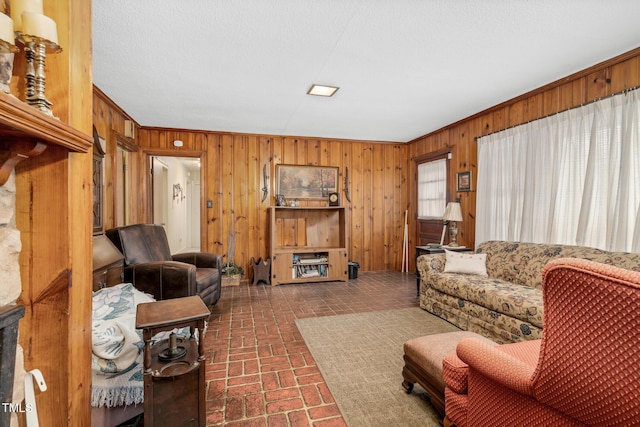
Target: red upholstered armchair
<point>584,371</point>
<point>151,268</point>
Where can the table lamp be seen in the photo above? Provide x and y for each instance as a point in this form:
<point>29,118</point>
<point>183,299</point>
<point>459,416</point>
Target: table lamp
<point>453,214</point>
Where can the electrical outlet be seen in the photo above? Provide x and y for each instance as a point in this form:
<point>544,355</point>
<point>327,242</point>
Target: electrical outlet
<point>209,204</point>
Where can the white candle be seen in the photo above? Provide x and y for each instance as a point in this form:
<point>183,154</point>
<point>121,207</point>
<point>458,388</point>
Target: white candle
<point>6,29</point>
<point>37,25</point>
<point>20,6</point>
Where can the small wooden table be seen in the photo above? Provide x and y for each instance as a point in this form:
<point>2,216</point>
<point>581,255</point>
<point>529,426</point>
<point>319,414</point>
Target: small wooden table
<point>427,250</point>
<point>174,375</point>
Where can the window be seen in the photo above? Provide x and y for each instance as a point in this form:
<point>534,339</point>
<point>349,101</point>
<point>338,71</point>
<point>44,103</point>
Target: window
<point>432,188</point>
<point>572,178</point>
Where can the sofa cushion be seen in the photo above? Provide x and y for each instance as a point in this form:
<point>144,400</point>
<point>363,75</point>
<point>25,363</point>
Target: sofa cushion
<point>504,297</point>
<point>465,263</point>
<point>522,263</point>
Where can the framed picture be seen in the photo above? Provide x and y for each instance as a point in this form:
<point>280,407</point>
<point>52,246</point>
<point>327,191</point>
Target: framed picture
<point>306,182</point>
<point>464,181</point>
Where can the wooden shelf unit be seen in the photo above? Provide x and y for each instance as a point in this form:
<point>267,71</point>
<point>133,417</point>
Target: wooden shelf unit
<point>308,244</point>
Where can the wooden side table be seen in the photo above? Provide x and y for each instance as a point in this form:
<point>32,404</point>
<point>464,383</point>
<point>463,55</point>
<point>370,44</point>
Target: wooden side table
<point>428,250</point>
<point>174,372</point>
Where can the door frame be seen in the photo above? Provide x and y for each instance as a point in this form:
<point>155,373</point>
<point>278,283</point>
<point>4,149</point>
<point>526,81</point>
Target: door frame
<point>147,184</point>
<point>433,225</point>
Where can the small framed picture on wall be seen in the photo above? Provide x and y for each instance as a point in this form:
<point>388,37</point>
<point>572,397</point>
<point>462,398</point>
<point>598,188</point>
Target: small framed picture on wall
<point>464,181</point>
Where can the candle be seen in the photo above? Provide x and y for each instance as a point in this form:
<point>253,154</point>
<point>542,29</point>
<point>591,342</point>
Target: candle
<point>20,6</point>
<point>37,25</point>
<point>6,29</point>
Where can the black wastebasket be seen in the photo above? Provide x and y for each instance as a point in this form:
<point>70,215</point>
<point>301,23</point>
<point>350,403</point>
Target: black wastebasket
<point>353,270</point>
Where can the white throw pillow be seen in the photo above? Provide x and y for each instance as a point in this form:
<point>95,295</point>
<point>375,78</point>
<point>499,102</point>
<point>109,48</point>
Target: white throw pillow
<point>465,262</point>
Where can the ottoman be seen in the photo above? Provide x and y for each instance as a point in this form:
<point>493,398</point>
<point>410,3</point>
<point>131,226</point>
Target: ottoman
<point>423,363</point>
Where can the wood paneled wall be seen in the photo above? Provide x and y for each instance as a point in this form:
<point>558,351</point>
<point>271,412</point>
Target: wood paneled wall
<point>601,80</point>
<point>53,214</point>
<point>232,179</point>
<point>382,175</point>
<point>109,120</point>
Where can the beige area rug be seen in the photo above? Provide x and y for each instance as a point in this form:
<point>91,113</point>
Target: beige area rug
<point>360,358</point>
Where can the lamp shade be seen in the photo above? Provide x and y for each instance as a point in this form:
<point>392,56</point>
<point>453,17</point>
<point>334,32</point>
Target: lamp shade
<point>452,212</point>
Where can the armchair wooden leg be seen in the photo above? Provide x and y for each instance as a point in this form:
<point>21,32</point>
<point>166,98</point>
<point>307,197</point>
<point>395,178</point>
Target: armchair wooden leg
<point>447,422</point>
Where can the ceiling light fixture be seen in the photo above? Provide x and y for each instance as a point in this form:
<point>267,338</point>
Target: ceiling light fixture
<point>322,90</point>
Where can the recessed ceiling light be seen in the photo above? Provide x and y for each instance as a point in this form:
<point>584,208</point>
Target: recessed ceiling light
<point>321,90</point>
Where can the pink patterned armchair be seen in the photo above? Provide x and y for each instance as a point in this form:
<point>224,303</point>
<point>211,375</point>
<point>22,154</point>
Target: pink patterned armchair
<point>584,371</point>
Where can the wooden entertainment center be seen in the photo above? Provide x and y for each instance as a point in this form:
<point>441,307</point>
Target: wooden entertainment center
<point>308,244</point>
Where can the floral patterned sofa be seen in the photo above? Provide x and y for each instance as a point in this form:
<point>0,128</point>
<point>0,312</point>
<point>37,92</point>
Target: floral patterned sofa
<point>506,305</point>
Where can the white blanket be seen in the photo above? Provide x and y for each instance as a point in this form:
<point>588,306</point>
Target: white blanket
<point>117,347</point>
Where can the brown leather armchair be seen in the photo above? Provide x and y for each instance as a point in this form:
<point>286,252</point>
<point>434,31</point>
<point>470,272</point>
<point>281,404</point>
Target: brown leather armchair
<point>151,268</point>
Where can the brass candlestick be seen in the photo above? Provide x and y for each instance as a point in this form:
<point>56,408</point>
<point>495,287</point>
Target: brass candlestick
<point>36,49</point>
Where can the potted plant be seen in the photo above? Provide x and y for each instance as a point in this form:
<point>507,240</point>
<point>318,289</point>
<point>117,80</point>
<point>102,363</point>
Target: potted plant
<point>231,274</point>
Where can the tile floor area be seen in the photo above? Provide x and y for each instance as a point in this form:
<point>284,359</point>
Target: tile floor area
<point>259,370</point>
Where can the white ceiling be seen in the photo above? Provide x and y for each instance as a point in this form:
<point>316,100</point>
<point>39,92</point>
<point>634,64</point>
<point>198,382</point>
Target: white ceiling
<point>404,67</point>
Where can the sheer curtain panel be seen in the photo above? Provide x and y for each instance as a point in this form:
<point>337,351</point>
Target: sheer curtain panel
<point>571,178</point>
<point>432,188</point>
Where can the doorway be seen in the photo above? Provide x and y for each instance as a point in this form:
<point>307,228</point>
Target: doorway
<point>175,189</point>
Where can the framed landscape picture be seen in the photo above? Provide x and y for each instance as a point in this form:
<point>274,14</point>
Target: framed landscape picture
<point>306,182</point>
<point>464,181</point>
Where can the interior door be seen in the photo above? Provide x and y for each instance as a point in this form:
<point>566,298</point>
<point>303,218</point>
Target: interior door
<point>432,186</point>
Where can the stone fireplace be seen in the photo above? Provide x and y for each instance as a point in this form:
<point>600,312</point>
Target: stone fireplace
<point>11,287</point>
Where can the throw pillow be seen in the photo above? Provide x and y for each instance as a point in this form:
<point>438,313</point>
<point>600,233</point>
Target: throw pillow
<point>466,263</point>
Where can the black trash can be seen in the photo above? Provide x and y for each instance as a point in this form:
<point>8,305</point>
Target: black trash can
<point>353,270</point>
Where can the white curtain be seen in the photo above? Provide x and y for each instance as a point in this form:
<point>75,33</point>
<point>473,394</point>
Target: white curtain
<point>572,178</point>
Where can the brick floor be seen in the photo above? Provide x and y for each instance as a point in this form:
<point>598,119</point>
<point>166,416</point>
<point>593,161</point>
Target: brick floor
<point>259,370</point>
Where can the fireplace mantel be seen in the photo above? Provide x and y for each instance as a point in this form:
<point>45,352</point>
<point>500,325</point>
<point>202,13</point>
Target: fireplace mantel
<point>26,132</point>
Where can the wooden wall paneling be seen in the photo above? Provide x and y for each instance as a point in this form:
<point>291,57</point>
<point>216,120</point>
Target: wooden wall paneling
<point>304,152</point>
<point>214,185</point>
<point>516,114</point>
<point>331,154</point>
<point>566,96</point>
<point>367,203</point>
<point>53,214</point>
<point>356,212</point>
<point>290,151</point>
<point>75,34</point>
<point>109,121</point>
<point>41,217</point>
<point>550,101</point>
<point>399,204</point>
<point>411,194</point>
<point>628,71</point>
<point>241,189</point>
<point>380,240</point>
<point>469,213</point>
<point>79,336</point>
<point>226,200</point>
<point>533,107</point>
<point>598,84</point>
<point>388,209</point>
<point>265,155</point>
<point>254,195</point>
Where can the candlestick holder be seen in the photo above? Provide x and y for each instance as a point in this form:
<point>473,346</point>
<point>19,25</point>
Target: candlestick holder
<point>36,49</point>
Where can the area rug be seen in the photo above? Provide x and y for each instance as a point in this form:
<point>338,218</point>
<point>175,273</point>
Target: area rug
<point>360,358</point>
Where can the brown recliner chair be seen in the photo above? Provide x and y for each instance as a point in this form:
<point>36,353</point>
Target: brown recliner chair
<point>151,268</point>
